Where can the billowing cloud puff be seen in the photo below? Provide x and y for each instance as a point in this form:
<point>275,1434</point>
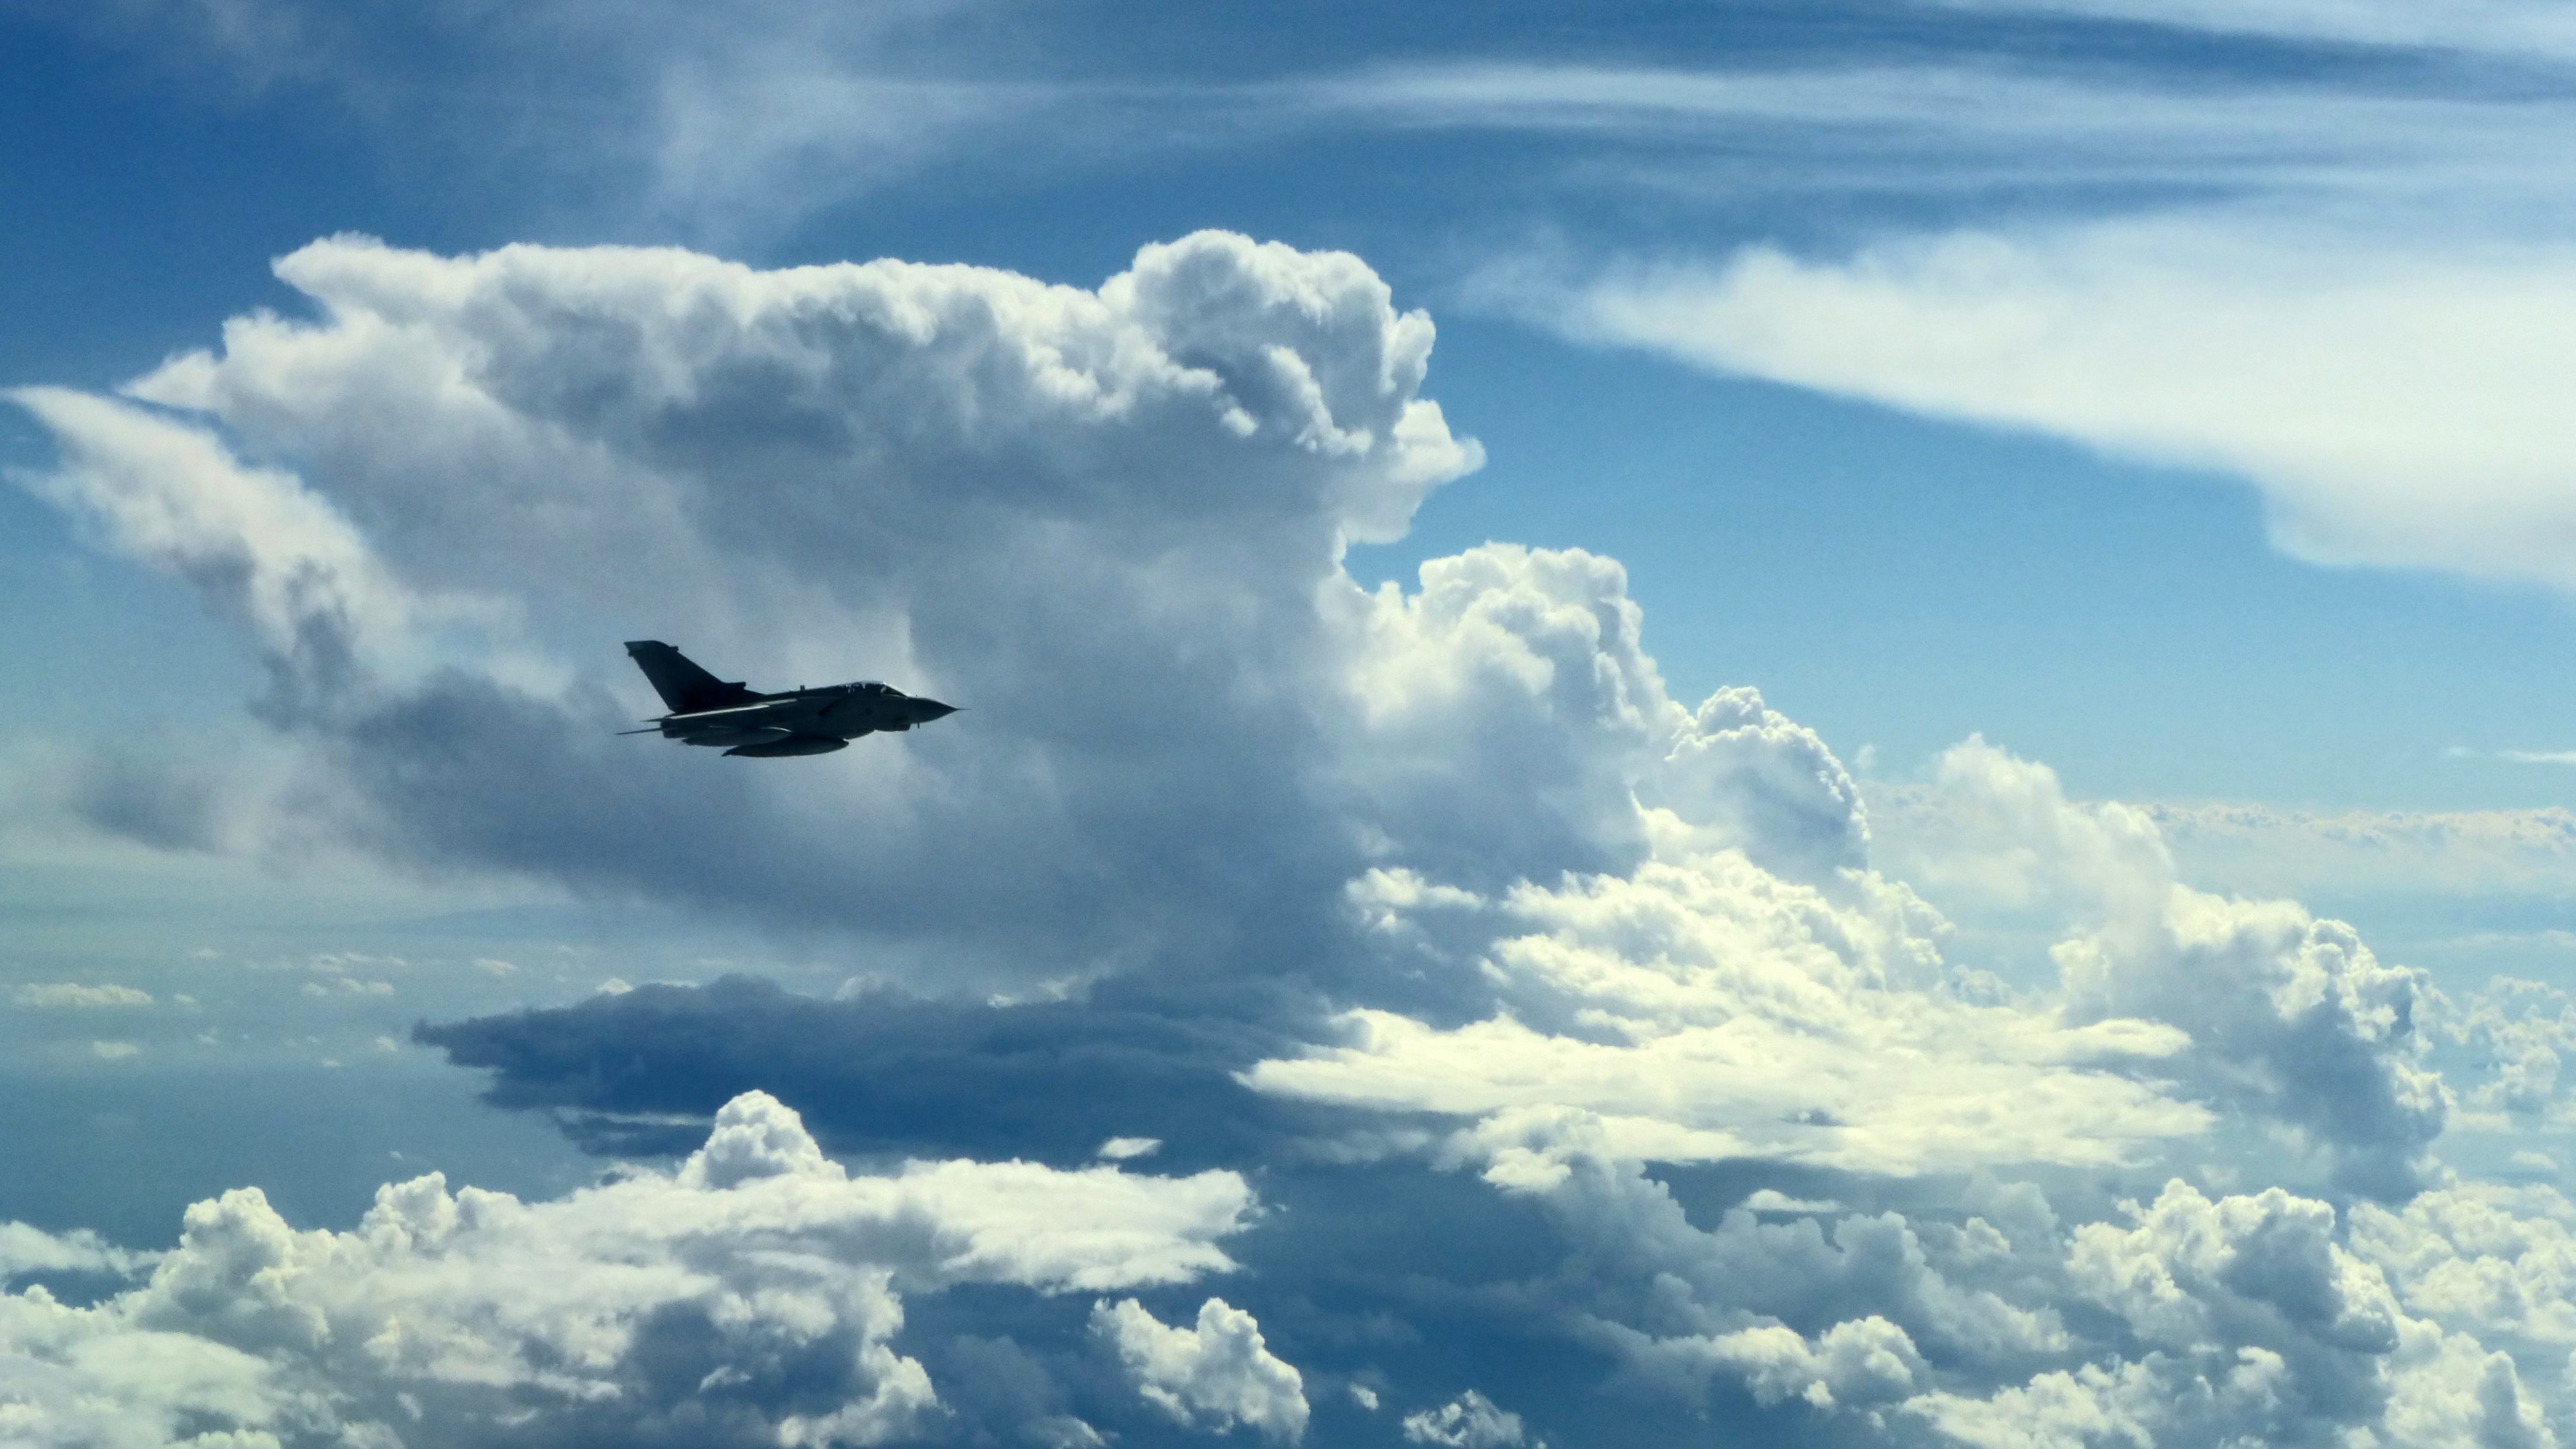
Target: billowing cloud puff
<point>1529,664</point>
<point>750,1297</point>
<point>2252,1323</point>
<point>1218,1372</point>
<point>1865,1359</point>
<point>2487,1257</point>
<point>1706,1009</point>
<point>1471,1421</point>
<point>2521,1027</point>
<point>1098,519</point>
<point>2260,1269</point>
<point>2291,1016</point>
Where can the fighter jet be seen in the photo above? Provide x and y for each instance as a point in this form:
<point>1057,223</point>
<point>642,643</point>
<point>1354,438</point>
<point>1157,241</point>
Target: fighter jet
<point>707,711</point>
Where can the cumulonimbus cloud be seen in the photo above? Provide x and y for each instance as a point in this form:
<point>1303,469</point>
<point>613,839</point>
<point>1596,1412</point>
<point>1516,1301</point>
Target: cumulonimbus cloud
<point>1111,521</point>
<point>1432,893</point>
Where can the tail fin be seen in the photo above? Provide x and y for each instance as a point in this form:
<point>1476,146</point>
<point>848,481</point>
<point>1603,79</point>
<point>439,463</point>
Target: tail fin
<point>683,685</point>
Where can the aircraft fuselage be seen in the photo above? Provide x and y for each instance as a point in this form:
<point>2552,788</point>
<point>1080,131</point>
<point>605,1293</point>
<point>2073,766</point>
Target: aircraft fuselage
<point>804,721</point>
<point>709,711</point>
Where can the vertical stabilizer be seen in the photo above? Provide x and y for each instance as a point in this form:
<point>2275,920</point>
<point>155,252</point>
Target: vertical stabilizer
<point>684,687</point>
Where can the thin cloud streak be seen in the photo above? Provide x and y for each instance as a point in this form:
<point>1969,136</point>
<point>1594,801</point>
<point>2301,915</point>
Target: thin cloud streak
<point>731,127</point>
<point>2514,28</point>
<point>1980,120</point>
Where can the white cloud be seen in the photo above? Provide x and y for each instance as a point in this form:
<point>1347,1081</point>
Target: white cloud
<point>753,1293</point>
<point>2192,1271</point>
<point>2292,1017</point>
<point>954,478</point>
<point>1860,1363</point>
<point>1864,1360</point>
<point>1119,1149</point>
<point>1772,1200</point>
<point>1678,1305</point>
<point>1529,665</point>
<point>729,121</point>
<point>2520,1028</point>
<point>2261,1327</point>
<point>1471,1421</point>
<point>347,986</point>
<point>2255,849</point>
<point>1712,975</point>
<point>2479,1257</point>
<point>261,549</point>
<point>2067,127</point>
<point>113,1051</point>
<point>2396,403</point>
<point>1704,1009</point>
<point>1219,1370</point>
<point>25,1249</point>
<point>1558,925</point>
<point>2094,1404</point>
<point>716,120</point>
<point>2515,28</point>
<point>65,993</point>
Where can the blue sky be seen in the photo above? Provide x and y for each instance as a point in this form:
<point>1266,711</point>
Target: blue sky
<point>2121,440</point>
<point>1938,567</point>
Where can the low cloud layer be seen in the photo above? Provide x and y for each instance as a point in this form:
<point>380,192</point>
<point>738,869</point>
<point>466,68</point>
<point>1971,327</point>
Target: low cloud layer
<point>1510,1037</point>
<point>747,1298</point>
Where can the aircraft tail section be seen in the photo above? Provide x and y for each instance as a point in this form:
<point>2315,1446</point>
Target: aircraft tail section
<point>684,687</point>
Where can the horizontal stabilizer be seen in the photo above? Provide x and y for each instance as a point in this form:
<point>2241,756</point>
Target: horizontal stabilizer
<point>683,685</point>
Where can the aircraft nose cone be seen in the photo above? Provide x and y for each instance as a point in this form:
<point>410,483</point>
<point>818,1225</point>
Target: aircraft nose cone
<point>926,710</point>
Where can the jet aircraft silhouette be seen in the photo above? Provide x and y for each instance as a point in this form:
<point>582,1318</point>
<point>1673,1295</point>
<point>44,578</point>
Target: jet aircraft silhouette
<point>707,711</point>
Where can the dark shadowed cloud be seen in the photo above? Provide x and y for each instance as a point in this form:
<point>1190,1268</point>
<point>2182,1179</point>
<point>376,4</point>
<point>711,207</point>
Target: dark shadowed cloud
<point>882,1073</point>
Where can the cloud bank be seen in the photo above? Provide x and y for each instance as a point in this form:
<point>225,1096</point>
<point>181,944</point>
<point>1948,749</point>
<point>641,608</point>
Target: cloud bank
<point>747,1298</point>
<point>1579,1041</point>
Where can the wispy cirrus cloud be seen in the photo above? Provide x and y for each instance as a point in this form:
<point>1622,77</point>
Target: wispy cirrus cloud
<point>2515,29</point>
<point>2349,285</point>
<point>719,122</point>
<point>2396,402</point>
<point>727,124</point>
<point>1978,115</point>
